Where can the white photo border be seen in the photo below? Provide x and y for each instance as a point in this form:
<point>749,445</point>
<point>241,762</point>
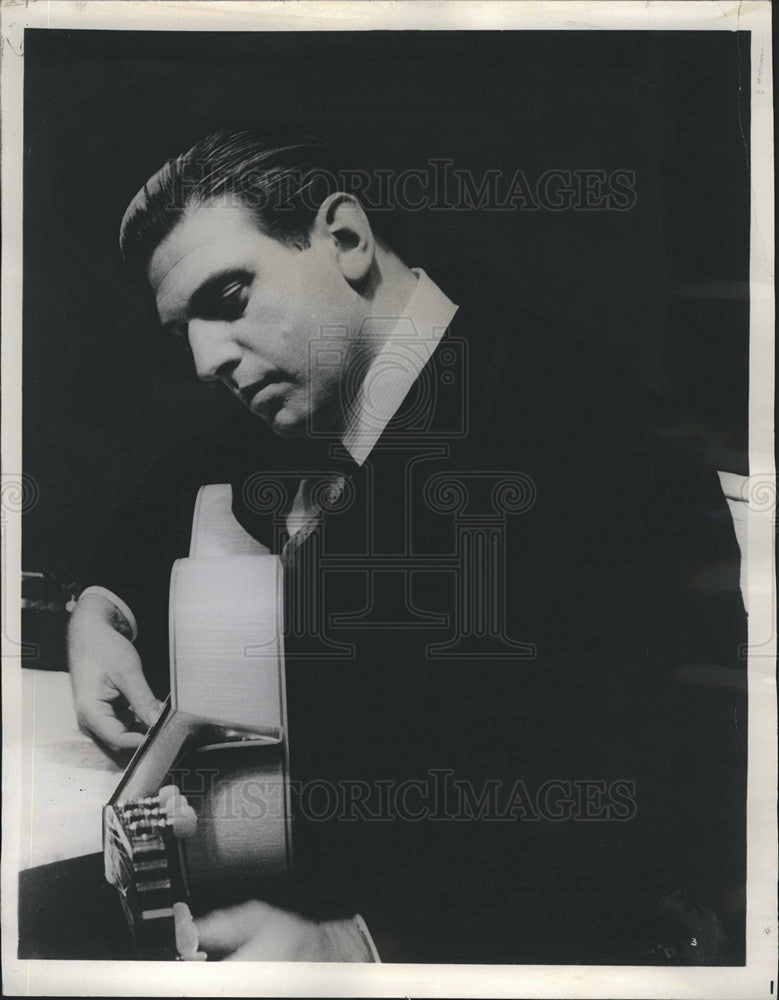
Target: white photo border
<point>754,980</point>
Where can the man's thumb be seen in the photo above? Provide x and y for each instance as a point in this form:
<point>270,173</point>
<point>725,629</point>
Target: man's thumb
<point>133,686</point>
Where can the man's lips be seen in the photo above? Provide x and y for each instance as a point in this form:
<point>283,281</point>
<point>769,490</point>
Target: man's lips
<point>250,393</point>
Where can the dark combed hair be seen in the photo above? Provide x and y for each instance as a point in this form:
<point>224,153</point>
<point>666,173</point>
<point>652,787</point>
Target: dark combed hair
<point>281,178</point>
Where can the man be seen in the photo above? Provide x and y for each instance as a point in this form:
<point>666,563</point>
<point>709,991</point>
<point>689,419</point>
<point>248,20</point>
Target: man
<point>514,589</point>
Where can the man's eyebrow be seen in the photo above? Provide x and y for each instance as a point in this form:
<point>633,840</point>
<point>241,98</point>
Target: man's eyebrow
<point>209,287</point>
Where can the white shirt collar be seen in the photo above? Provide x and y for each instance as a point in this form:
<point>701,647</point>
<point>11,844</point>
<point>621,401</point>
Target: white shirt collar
<point>409,346</point>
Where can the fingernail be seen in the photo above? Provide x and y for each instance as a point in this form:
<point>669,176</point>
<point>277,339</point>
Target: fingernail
<point>182,816</point>
<point>185,824</point>
<point>187,939</point>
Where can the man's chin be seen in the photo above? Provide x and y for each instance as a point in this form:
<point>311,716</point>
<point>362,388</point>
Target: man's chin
<point>293,423</point>
<point>288,423</point>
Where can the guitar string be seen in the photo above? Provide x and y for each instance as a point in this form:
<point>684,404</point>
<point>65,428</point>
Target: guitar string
<point>130,878</point>
<point>126,860</point>
<point>125,872</point>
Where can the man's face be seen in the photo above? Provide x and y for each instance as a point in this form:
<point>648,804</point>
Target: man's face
<point>251,307</point>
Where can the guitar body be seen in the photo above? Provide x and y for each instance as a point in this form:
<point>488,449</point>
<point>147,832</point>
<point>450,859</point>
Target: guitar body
<point>221,741</point>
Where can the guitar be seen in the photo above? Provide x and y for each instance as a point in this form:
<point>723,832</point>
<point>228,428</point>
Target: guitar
<point>205,800</point>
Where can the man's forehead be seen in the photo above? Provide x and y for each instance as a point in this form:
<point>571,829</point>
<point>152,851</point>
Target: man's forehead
<point>208,237</point>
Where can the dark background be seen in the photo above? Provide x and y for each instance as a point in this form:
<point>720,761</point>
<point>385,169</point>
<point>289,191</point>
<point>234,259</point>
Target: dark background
<point>661,289</point>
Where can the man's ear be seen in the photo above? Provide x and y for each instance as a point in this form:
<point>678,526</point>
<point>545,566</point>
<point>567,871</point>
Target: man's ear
<point>342,220</point>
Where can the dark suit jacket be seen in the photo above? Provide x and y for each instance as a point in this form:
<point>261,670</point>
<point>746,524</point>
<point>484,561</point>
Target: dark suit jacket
<point>514,631</point>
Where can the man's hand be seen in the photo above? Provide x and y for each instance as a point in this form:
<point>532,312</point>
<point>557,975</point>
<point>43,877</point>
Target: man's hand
<point>106,675</point>
<point>258,932</point>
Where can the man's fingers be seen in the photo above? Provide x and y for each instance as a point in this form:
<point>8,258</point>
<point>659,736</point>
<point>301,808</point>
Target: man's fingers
<point>228,930</point>
<point>129,741</point>
<point>132,684</point>
<point>101,722</point>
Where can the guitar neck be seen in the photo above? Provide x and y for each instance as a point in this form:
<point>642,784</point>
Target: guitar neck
<point>157,754</point>
<point>225,717</point>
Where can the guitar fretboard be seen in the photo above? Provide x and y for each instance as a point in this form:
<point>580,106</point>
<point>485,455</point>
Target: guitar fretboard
<point>142,861</point>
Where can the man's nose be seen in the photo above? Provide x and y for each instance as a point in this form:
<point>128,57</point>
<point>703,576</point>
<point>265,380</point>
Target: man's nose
<point>215,352</point>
